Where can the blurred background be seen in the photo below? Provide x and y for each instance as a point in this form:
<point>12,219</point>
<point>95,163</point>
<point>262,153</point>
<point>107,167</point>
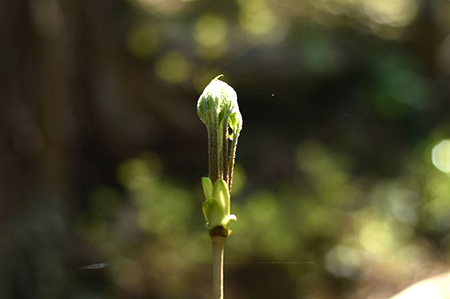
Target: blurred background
<point>341,186</point>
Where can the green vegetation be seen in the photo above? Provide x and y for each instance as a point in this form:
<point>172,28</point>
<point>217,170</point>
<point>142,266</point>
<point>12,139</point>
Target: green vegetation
<point>218,109</point>
<point>341,184</point>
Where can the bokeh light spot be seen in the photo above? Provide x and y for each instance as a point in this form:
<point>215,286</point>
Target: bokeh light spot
<point>140,173</point>
<point>263,209</point>
<point>391,12</point>
<point>142,40</point>
<point>377,238</point>
<point>160,6</point>
<point>344,261</point>
<point>173,67</point>
<point>440,155</point>
<point>166,210</point>
<point>210,30</point>
<point>260,22</point>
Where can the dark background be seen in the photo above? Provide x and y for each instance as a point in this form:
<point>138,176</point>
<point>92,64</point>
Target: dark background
<point>101,150</point>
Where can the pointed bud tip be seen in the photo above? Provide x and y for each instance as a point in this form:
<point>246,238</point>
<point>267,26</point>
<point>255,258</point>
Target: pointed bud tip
<point>217,97</point>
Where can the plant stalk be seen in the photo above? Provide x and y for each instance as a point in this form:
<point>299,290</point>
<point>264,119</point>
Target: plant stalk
<point>213,155</point>
<point>224,150</point>
<point>218,244</point>
<point>231,162</point>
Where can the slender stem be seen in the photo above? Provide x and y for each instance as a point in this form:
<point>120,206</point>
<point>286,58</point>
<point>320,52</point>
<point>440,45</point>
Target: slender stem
<point>231,162</point>
<point>220,154</point>
<point>213,155</point>
<point>218,244</point>
<point>225,150</point>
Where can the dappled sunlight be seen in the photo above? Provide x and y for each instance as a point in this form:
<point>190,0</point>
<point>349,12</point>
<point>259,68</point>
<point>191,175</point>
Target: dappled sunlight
<point>160,6</point>
<point>335,7</point>
<point>140,173</point>
<point>345,261</point>
<point>342,181</point>
<point>266,229</point>
<point>373,228</point>
<point>327,171</point>
<point>261,23</point>
<point>324,217</point>
<point>173,67</point>
<point>165,211</point>
<point>437,206</point>
<point>439,213</point>
<point>385,18</point>
<point>440,156</point>
<point>264,210</point>
<point>351,225</point>
<point>377,238</point>
<point>386,228</point>
<point>395,13</point>
<point>141,241</point>
<point>210,32</point>
<point>391,12</point>
<point>162,208</point>
<point>400,199</point>
<point>381,234</point>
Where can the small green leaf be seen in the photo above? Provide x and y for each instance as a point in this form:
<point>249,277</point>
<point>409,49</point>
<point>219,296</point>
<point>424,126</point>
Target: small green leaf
<point>221,194</point>
<point>231,217</point>
<point>214,213</point>
<point>235,121</point>
<point>207,188</point>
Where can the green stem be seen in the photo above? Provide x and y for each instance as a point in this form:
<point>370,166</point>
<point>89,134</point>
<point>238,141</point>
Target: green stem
<point>218,244</point>
<point>225,150</point>
<point>231,162</point>
<point>213,156</point>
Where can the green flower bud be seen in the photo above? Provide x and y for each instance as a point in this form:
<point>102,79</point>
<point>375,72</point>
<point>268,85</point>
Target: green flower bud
<point>216,103</point>
<point>218,109</point>
<point>235,122</point>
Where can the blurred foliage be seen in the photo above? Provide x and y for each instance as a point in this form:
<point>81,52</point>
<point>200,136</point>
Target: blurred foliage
<point>322,220</point>
<point>342,184</point>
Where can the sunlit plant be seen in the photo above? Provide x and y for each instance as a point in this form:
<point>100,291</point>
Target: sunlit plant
<point>218,109</point>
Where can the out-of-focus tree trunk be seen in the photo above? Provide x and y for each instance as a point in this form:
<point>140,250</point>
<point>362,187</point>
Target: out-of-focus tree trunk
<point>37,133</point>
<point>60,65</point>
